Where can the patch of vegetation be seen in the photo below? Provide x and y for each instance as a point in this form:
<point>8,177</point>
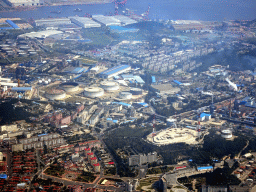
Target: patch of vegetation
<point>55,170</point>
<point>158,170</point>
<point>8,114</point>
<point>110,171</point>
<point>147,182</point>
<point>86,177</point>
<point>99,37</point>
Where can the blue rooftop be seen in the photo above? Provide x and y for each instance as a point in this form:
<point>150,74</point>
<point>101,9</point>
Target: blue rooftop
<point>115,69</point>
<point>21,89</point>
<point>3,176</point>
<point>42,135</point>
<point>242,102</point>
<point>77,70</point>
<point>205,168</point>
<point>5,28</point>
<point>132,78</point>
<point>143,104</point>
<point>12,24</point>
<point>204,115</point>
<point>179,83</point>
<point>153,79</point>
<point>125,104</point>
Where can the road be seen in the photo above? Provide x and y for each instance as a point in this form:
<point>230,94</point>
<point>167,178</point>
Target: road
<point>86,185</point>
<point>247,143</point>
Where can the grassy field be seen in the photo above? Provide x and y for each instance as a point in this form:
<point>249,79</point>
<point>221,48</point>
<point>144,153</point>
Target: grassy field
<point>147,182</point>
<point>99,38</point>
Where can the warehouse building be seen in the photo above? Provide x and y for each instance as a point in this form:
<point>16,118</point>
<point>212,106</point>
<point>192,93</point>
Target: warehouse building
<point>106,20</point>
<point>52,22</point>
<point>125,20</point>
<point>115,71</point>
<point>40,34</point>
<point>17,3</point>
<point>84,22</point>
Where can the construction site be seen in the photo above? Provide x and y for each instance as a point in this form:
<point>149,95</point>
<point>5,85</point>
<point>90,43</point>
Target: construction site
<point>174,135</point>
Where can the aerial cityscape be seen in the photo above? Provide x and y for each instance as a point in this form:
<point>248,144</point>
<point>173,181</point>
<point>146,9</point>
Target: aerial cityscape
<point>125,95</point>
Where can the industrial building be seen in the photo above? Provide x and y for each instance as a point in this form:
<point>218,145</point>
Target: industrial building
<point>40,34</point>
<point>52,22</point>
<point>12,24</point>
<point>115,71</point>
<point>106,20</point>
<point>19,3</point>
<point>109,86</point>
<point>133,79</point>
<point>125,20</point>
<point>84,22</point>
<point>55,94</point>
<point>226,134</point>
<point>125,95</point>
<point>205,117</point>
<point>21,89</point>
<point>93,92</point>
<point>69,87</point>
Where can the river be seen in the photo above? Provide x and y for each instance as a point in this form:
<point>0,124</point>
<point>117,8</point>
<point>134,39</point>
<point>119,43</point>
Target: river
<point>211,10</point>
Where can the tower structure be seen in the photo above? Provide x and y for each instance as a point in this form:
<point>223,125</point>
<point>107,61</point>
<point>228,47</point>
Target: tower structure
<point>212,107</point>
<point>154,122</point>
<point>198,130</point>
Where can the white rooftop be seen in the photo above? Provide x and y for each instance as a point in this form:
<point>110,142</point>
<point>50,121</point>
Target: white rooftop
<point>86,21</point>
<point>125,20</point>
<point>107,20</point>
<point>41,34</point>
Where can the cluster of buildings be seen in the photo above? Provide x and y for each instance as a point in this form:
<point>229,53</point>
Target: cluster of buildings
<point>86,22</point>
<point>140,159</point>
<point>23,167</point>
<point>92,91</point>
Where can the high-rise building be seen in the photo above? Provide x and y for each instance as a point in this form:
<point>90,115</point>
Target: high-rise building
<point>135,160</point>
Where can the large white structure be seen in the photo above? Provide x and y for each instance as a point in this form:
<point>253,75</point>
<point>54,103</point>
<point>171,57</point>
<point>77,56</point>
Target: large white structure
<point>174,135</point>
<point>106,20</point>
<point>40,34</point>
<point>84,22</point>
<point>109,86</point>
<point>93,92</point>
<point>55,94</point>
<point>115,71</point>
<point>125,20</point>
<point>125,95</point>
<point>136,91</point>
<point>17,3</point>
<point>226,133</point>
<point>52,22</point>
<point>8,84</point>
<point>70,87</point>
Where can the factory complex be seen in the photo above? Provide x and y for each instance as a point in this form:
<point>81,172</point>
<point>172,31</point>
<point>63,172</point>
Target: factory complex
<point>85,22</point>
<point>100,103</point>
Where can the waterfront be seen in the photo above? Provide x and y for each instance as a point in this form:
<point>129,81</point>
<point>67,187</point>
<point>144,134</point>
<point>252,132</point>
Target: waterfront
<point>162,9</point>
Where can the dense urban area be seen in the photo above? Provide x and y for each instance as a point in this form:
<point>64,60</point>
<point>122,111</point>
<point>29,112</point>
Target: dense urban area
<point>124,103</point>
